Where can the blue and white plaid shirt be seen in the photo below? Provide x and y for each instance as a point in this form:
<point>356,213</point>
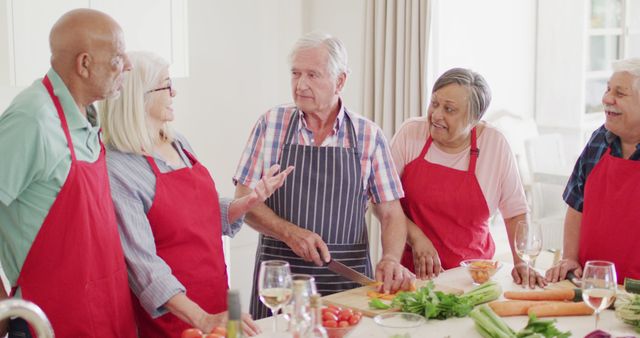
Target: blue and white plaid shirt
<point>600,140</point>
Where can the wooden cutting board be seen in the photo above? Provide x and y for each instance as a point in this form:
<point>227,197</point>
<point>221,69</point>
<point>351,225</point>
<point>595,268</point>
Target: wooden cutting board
<point>357,298</point>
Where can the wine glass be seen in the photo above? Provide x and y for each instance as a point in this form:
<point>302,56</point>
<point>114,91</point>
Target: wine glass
<point>599,285</point>
<point>274,286</point>
<point>308,290</point>
<point>528,243</point>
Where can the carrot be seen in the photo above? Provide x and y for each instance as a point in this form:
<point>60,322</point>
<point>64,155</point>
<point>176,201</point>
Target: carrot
<point>559,294</point>
<point>379,295</point>
<point>556,309</point>
<point>505,308</point>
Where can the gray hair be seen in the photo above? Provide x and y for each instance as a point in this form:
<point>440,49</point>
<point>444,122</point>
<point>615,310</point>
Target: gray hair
<point>337,52</point>
<point>631,66</point>
<point>479,91</point>
<point>124,118</point>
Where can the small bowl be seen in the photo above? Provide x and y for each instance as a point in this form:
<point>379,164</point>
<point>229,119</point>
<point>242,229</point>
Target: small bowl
<point>399,324</point>
<point>339,332</point>
<point>481,270</point>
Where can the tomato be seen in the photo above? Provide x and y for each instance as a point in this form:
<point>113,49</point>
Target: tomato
<point>333,310</point>
<point>329,316</point>
<point>357,313</point>
<point>343,323</point>
<point>219,330</point>
<point>345,314</point>
<point>191,333</point>
<point>354,320</point>
<point>330,323</point>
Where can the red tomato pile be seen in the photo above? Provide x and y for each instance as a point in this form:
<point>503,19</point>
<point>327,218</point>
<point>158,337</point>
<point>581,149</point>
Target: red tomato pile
<point>217,332</point>
<point>333,316</point>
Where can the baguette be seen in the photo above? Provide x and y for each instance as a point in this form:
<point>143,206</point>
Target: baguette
<point>559,294</point>
<point>558,309</point>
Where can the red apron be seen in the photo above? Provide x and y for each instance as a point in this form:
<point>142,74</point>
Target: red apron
<point>448,206</point>
<point>186,224</point>
<point>75,270</point>
<point>610,228</point>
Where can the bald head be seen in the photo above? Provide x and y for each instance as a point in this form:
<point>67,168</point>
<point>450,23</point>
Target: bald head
<point>88,52</point>
<point>79,31</point>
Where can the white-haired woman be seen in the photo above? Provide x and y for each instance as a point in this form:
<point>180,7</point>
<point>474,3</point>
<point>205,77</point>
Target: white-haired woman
<point>169,214</point>
<point>456,171</point>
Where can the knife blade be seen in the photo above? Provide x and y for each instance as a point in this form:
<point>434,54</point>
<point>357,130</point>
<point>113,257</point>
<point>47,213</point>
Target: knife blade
<point>349,273</point>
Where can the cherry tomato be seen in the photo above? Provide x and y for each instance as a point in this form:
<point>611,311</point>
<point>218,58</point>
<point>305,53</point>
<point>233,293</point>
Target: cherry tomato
<point>191,333</point>
<point>213,335</point>
<point>219,330</point>
<point>333,310</point>
<point>331,306</point>
<point>330,323</point>
<point>329,316</point>
<point>357,313</point>
<point>354,319</point>
<point>345,314</point>
<point>343,323</point>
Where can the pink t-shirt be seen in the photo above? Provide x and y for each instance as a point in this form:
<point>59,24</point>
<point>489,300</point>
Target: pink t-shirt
<point>496,169</point>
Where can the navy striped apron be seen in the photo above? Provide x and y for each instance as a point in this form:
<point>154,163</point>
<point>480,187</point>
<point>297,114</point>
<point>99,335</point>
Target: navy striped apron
<point>324,194</point>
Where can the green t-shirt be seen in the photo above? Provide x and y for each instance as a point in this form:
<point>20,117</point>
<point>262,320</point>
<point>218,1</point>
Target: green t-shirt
<point>34,163</point>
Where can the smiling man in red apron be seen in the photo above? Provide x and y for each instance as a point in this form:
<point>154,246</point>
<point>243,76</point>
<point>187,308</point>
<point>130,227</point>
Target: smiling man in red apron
<point>602,221</point>
<point>60,246</point>
<point>341,161</point>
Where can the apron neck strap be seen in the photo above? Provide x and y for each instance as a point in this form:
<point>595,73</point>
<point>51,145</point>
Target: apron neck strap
<point>153,165</point>
<point>474,152</point>
<point>295,121</point>
<point>63,119</point>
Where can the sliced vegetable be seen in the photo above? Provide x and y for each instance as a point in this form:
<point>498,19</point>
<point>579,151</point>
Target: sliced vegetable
<point>377,304</point>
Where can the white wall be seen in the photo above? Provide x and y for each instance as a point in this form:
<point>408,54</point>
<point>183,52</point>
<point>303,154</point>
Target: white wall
<point>493,37</point>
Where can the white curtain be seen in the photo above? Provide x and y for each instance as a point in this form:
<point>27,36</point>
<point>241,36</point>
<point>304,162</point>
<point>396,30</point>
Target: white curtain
<point>396,42</point>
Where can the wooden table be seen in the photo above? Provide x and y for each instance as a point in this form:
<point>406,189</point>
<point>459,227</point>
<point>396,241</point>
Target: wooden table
<point>464,327</point>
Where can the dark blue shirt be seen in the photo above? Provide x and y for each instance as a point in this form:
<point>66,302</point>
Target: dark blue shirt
<point>600,140</point>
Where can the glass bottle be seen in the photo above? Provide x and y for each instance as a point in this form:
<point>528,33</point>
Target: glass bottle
<point>234,327</point>
<point>300,319</point>
<point>316,330</point>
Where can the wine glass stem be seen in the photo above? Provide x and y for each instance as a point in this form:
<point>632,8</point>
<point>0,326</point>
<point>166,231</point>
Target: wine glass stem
<point>275,319</point>
<point>527,274</point>
<point>597,318</point>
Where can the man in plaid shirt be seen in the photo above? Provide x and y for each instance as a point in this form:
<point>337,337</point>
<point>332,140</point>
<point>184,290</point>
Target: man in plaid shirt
<point>341,161</point>
<point>602,221</point>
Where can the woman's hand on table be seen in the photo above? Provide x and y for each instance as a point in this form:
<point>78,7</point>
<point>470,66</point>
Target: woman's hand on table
<point>559,270</point>
<point>519,274</point>
<point>211,321</point>
<point>426,261</point>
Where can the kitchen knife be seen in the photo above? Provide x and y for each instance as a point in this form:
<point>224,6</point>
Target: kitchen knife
<point>349,273</point>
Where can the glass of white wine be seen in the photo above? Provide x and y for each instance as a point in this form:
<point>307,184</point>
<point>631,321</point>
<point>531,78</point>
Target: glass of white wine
<point>528,244</point>
<point>599,285</point>
<point>274,286</point>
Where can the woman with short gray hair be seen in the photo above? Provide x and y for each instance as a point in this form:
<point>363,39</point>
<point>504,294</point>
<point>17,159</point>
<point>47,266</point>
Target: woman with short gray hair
<point>457,171</point>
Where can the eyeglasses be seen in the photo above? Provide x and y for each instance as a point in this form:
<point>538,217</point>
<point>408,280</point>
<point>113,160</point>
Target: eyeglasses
<point>169,87</point>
